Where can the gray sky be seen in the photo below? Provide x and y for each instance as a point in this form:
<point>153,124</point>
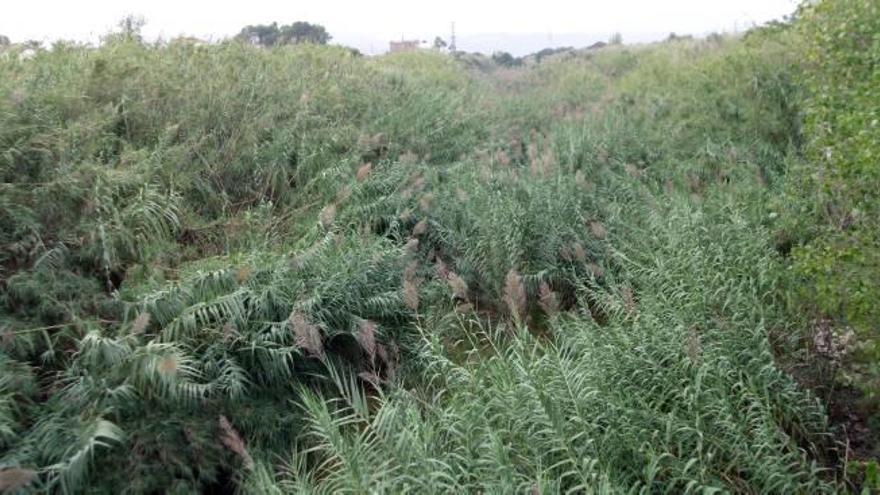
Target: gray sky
<point>368,25</point>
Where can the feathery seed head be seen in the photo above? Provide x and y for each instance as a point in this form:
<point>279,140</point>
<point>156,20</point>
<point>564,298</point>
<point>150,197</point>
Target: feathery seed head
<point>411,286</point>
<point>13,479</point>
<point>307,336</point>
<point>441,270</point>
<point>343,194</point>
<point>371,378</point>
<point>328,214</point>
<point>547,300</point>
<point>408,158</point>
<point>228,331</point>
<point>565,253</point>
<point>420,228</point>
<point>366,337</point>
<point>425,202</point>
<point>243,274</point>
<point>515,294</point>
<point>577,250</point>
<point>230,438</point>
<point>417,182</point>
<point>364,171</point>
<point>168,365</point>
<point>692,346</point>
<point>458,285</point>
<point>629,299</point>
<point>140,323</point>
<point>411,294</point>
<point>412,246</point>
<point>632,170</point>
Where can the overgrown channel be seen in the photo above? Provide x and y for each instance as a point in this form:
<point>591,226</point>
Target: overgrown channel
<point>627,269</point>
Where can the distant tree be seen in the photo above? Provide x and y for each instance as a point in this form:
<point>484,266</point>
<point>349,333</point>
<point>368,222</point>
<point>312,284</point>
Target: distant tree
<point>292,34</point>
<point>505,59</point>
<point>615,39</point>
<point>130,28</point>
<point>675,37</point>
<point>715,37</point>
<point>547,52</point>
<point>4,40</point>
<point>260,34</point>
<point>439,43</point>
<point>303,32</point>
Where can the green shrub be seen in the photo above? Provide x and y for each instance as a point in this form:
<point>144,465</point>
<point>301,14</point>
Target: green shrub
<point>833,191</point>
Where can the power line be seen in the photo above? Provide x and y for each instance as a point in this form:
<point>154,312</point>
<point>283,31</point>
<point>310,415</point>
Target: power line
<point>452,38</point>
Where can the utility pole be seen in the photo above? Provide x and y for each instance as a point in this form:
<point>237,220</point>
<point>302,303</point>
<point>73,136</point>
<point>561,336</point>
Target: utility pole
<point>452,39</point>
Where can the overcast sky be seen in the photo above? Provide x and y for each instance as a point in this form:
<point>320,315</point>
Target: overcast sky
<point>368,23</point>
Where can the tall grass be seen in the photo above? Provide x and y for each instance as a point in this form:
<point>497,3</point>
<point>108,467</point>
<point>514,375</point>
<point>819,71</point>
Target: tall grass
<point>295,270</point>
<point>675,391</point>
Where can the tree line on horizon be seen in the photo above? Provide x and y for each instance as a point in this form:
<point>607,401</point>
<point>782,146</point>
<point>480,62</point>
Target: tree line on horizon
<point>299,32</point>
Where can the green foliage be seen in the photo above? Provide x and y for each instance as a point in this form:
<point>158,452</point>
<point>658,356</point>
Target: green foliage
<point>505,59</point>
<point>295,270</point>
<point>833,206</point>
<point>183,207</point>
<point>658,398</point>
<point>292,34</point>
